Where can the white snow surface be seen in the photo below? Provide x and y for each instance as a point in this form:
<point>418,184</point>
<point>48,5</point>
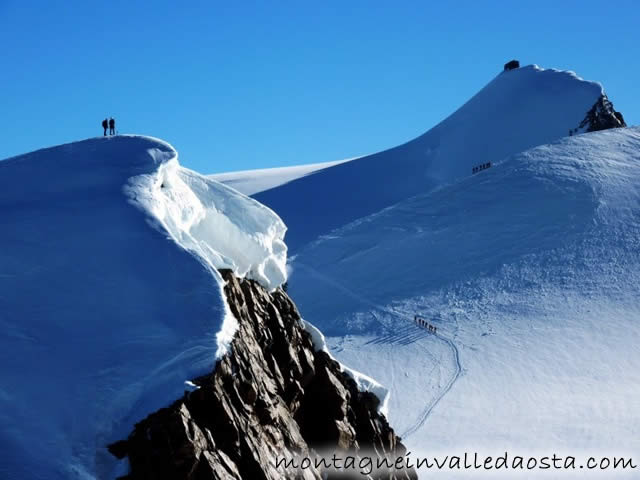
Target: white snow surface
<point>221,226</point>
<point>106,309</point>
<point>251,182</point>
<point>517,110</point>
<point>529,270</point>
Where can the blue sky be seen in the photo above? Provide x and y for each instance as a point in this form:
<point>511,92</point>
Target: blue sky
<point>241,85</point>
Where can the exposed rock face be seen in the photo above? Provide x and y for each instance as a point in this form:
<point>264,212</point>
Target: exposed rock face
<point>602,116</point>
<point>272,397</point>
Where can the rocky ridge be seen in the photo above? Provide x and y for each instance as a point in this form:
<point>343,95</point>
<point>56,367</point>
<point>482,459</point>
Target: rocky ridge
<point>601,116</point>
<point>272,397</point>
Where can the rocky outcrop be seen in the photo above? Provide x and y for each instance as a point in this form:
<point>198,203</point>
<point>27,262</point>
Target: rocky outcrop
<point>601,116</point>
<point>272,398</point>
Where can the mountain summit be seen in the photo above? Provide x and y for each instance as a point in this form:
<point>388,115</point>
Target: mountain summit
<point>108,264</point>
<point>512,233</point>
<point>485,272</point>
<point>517,110</point>
<point>128,282</point>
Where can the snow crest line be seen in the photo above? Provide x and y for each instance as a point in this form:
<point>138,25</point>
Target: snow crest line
<point>449,342</point>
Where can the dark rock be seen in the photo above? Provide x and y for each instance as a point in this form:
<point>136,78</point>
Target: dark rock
<point>512,65</point>
<point>601,116</point>
<point>118,449</point>
<point>272,397</point>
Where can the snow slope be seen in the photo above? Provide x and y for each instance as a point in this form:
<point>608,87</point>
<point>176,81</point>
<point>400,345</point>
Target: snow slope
<point>103,318</point>
<point>530,271</point>
<point>251,182</point>
<point>517,110</point>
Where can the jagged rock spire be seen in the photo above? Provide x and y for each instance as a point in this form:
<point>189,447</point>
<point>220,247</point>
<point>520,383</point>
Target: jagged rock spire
<point>601,116</point>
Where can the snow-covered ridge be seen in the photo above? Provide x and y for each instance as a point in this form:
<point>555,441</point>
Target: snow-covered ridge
<point>103,318</point>
<point>251,182</point>
<point>223,227</point>
<point>515,111</point>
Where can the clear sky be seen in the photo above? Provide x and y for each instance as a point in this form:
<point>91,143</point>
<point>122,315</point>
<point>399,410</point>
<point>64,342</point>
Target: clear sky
<point>254,84</point>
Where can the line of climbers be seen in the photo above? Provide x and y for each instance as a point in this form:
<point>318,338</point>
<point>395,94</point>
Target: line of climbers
<point>111,123</point>
<point>421,322</point>
<point>479,168</point>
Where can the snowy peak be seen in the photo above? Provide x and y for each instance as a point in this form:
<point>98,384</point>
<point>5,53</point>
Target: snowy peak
<point>223,228</point>
<point>517,110</point>
<point>122,312</point>
<point>85,167</point>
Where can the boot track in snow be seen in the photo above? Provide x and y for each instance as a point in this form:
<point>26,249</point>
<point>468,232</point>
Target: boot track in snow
<point>449,342</point>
